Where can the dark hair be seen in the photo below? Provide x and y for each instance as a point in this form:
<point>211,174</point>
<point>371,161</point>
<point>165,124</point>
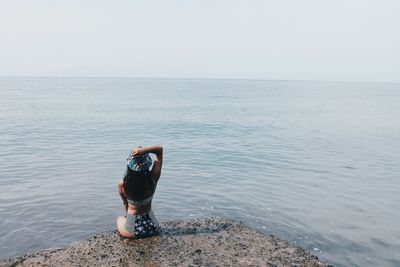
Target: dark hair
<point>138,184</point>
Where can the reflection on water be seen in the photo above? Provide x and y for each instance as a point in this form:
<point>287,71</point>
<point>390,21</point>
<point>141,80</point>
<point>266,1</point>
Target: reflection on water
<point>315,163</point>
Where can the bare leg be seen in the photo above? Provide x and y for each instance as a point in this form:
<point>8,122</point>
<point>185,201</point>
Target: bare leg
<point>121,227</point>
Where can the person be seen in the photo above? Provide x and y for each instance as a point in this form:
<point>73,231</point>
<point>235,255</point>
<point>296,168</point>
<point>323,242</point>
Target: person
<point>137,189</point>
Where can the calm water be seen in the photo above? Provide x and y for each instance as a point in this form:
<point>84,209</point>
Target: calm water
<point>315,163</point>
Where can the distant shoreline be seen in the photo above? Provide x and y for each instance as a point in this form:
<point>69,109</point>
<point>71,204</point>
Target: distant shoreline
<point>196,242</point>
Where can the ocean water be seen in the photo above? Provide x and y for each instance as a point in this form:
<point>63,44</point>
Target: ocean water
<point>316,163</point>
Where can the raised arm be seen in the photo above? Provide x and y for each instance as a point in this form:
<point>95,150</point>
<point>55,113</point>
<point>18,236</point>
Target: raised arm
<point>158,151</point>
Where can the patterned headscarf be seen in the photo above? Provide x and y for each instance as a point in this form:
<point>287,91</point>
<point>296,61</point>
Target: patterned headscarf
<point>140,162</point>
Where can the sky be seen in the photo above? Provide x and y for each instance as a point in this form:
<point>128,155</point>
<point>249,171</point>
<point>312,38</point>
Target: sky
<point>333,40</point>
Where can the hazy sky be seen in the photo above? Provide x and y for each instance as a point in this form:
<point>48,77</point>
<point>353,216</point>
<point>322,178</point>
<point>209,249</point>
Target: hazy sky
<point>355,40</point>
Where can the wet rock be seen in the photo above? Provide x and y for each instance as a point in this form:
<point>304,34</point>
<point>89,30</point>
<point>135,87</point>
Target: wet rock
<point>194,242</point>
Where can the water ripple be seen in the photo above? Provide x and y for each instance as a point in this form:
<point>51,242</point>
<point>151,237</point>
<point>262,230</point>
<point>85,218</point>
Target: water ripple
<point>314,163</point>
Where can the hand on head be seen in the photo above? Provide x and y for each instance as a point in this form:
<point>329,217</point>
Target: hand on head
<point>135,151</point>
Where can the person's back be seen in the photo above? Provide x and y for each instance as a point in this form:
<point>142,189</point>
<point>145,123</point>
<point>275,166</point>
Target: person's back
<point>137,190</point>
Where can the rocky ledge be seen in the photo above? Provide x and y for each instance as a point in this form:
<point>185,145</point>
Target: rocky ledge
<point>195,242</point>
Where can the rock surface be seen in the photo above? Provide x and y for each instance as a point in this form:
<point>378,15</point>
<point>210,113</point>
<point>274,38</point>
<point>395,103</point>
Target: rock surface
<point>196,242</point>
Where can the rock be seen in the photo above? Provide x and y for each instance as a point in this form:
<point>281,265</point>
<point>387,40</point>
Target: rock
<point>204,241</point>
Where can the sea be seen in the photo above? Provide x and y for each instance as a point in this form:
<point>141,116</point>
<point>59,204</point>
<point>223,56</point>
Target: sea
<point>315,163</point>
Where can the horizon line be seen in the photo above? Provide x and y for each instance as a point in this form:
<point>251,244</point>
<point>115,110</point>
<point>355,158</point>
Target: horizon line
<point>188,78</point>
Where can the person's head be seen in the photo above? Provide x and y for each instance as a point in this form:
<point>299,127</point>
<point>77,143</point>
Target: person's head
<point>136,180</point>
<point>139,162</point>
